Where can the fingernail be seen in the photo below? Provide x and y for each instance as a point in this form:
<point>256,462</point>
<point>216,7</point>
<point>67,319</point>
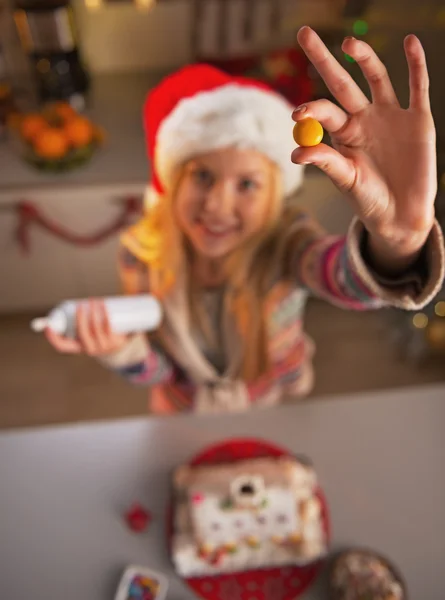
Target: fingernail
<point>300,110</point>
<point>296,161</point>
<point>349,37</point>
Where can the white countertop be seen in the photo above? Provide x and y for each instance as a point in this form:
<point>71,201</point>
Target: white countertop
<point>63,490</point>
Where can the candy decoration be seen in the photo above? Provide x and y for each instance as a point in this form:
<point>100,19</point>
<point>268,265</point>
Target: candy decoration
<point>295,538</point>
<point>277,539</point>
<point>359,574</point>
<point>253,542</point>
<point>218,557</point>
<point>141,583</point>
<point>204,553</point>
<point>308,132</point>
<point>138,518</point>
<point>226,504</point>
<point>143,588</point>
<point>197,498</point>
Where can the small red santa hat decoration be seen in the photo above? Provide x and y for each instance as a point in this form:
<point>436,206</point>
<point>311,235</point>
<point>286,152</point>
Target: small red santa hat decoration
<point>200,108</point>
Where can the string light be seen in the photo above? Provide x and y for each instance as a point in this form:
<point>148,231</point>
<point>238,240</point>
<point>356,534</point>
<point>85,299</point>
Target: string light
<point>420,321</point>
<point>144,4</point>
<point>93,4</point>
<point>360,27</point>
<point>436,335</point>
<point>439,309</point>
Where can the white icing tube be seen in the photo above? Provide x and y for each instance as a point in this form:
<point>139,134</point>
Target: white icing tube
<point>127,314</point>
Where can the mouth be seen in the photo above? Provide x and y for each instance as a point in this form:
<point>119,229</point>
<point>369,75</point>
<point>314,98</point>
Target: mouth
<point>217,231</point>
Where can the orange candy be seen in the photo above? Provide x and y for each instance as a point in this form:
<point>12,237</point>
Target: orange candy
<point>308,132</point>
<point>51,143</point>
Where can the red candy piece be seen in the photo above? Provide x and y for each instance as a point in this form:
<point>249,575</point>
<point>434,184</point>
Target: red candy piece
<point>138,518</point>
<point>217,558</point>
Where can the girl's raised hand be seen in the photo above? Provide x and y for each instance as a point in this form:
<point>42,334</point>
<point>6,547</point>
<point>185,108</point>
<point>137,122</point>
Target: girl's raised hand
<point>383,155</point>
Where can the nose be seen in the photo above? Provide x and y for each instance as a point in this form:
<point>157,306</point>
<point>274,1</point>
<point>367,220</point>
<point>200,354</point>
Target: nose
<point>220,200</point>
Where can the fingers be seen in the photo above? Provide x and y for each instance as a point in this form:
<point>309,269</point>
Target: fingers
<point>337,79</point>
<point>94,330</point>
<point>106,327</point>
<point>338,168</point>
<point>98,318</point>
<point>84,328</point>
<point>418,74</point>
<point>331,116</point>
<point>373,69</point>
<point>110,340</point>
<point>62,344</point>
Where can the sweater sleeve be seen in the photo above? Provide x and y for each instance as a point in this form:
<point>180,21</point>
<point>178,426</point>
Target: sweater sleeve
<point>140,362</point>
<point>335,268</point>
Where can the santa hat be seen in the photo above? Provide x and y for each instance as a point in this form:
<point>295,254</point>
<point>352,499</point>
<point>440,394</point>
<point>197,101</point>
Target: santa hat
<point>199,109</point>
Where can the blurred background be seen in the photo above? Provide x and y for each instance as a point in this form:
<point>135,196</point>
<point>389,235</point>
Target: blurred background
<point>73,170</point>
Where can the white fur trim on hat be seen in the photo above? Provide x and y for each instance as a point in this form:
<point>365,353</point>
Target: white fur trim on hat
<point>230,115</point>
<point>151,197</point>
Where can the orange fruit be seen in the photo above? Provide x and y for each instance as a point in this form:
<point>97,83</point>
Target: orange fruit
<point>63,110</point>
<point>31,125</point>
<point>79,131</point>
<point>51,143</point>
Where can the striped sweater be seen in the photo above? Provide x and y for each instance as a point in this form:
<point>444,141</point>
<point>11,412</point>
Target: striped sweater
<point>331,267</point>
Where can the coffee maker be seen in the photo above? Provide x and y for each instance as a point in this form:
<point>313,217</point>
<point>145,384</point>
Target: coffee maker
<point>48,35</point>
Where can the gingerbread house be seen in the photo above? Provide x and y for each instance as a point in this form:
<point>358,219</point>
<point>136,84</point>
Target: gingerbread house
<point>250,514</point>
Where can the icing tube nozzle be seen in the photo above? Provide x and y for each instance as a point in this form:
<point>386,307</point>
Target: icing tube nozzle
<point>39,324</point>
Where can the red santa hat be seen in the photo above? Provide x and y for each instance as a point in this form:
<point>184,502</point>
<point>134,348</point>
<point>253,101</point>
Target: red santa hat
<point>199,109</point>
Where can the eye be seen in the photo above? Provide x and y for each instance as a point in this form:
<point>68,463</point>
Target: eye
<point>246,184</point>
<point>203,177</point>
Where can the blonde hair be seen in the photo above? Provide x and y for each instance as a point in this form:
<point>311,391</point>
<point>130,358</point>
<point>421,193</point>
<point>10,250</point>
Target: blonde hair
<point>251,272</point>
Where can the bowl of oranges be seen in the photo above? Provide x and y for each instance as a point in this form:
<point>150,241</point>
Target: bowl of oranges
<point>58,138</point>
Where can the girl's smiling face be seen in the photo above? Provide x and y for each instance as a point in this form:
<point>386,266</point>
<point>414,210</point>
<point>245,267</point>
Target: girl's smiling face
<point>223,200</point>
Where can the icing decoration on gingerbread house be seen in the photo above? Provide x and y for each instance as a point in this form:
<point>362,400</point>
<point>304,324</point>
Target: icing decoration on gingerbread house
<point>249,514</point>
